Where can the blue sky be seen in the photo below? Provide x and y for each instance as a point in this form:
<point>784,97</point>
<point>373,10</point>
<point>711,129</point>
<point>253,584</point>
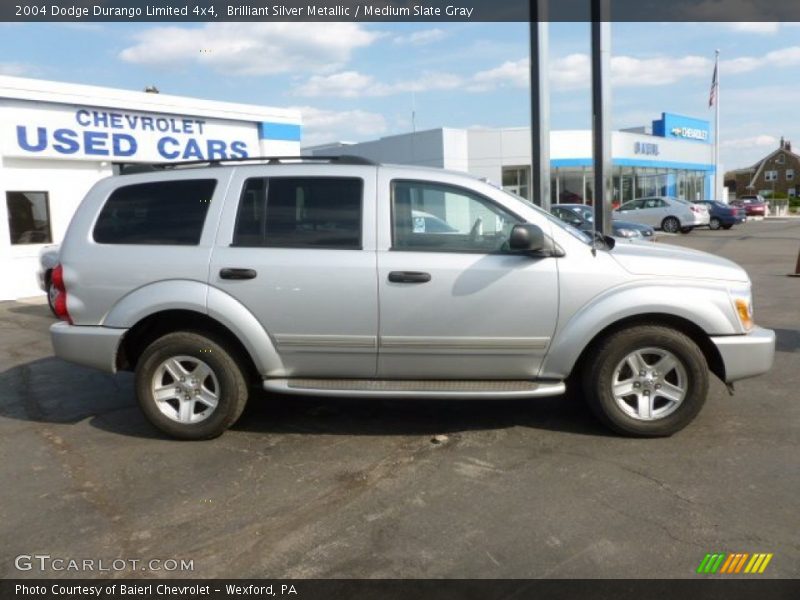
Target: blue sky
<point>359,81</point>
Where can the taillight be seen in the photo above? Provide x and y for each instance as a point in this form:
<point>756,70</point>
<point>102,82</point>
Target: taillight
<point>696,209</point>
<point>60,303</point>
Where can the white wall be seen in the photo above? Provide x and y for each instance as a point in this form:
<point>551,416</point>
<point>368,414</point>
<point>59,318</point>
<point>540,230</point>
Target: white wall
<point>66,183</point>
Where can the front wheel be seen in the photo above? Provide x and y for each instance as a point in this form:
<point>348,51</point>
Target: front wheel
<point>647,381</point>
<point>190,386</point>
<point>671,225</point>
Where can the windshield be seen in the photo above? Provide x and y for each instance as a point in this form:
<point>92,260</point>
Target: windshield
<point>577,233</point>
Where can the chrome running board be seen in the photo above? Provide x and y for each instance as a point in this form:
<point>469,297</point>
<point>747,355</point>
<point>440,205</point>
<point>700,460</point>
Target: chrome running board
<point>391,388</point>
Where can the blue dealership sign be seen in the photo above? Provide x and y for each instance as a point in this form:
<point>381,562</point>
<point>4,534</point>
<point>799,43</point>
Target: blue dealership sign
<point>682,128</point>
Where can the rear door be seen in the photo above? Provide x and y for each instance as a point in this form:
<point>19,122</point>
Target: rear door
<point>296,247</point>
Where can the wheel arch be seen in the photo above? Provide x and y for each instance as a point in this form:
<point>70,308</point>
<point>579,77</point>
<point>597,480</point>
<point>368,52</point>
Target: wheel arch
<point>689,328</point>
<point>161,323</point>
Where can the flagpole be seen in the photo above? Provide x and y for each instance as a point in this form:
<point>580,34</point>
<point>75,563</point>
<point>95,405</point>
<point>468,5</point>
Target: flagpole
<point>717,192</point>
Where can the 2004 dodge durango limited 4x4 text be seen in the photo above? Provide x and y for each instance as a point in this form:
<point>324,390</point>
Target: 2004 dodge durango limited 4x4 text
<point>342,277</point>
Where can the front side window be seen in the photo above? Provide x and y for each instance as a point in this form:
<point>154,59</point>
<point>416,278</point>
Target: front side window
<point>28,218</point>
<point>170,213</point>
<point>300,212</point>
<point>463,221</point>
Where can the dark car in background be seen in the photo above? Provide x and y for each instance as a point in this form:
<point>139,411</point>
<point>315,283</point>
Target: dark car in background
<point>582,217</point>
<point>754,206</point>
<point>723,215</point>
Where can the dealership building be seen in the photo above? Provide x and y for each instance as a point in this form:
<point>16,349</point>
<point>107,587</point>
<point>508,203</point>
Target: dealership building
<point>58,139</point>
<point>671,157</point>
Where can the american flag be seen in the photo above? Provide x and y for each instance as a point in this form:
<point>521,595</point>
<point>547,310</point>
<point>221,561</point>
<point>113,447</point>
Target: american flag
<point>712,97</point>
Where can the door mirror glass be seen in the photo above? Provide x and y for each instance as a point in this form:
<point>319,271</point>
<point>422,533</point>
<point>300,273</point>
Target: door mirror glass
<point>526,237</point>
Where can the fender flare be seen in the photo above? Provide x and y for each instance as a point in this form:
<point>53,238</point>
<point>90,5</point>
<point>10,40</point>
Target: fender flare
<point>198,297</point>
<point>709,308</point>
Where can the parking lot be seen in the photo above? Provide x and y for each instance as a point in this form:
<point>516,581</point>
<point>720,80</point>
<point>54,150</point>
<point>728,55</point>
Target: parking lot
<point>345,488</point>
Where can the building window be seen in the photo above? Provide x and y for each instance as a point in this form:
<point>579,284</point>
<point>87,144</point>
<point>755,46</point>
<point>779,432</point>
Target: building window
<point>297,212</point>
<point>789,174</point>
<point>780,159</point>
<point>770,175</point>
<point>163,212</point>
<point>29,217</point>
<point>516,180</point>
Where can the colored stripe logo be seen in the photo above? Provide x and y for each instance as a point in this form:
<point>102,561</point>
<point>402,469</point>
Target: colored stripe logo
<point>733,563</point>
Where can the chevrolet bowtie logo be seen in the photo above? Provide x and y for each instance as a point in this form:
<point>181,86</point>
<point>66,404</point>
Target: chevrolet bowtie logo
<point>736,562</point>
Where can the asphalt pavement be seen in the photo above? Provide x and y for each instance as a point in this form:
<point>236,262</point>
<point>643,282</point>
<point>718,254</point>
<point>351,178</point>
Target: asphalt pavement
<point>305,487</point>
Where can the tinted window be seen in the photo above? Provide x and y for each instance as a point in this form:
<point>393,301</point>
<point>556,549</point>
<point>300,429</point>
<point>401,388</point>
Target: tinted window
<point>297,212</point>
<point>465,221</point>
<point>162,212</point>
<point>28,217</point>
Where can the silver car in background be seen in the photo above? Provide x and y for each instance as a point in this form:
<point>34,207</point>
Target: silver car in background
<point>664,212</point>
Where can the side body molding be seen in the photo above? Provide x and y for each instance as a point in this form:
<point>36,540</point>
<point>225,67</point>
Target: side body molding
<point>707,307</point>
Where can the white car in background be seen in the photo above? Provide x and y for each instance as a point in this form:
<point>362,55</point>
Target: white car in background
<point>664,212</point>
<point>48,259</point>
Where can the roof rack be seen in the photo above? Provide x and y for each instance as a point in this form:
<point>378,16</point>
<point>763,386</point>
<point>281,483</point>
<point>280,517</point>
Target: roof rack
<point>345,159</point>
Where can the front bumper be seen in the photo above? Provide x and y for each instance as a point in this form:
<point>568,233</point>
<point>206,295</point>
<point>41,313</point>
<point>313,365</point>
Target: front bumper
<point>94,347</point>
<point>746,355</point>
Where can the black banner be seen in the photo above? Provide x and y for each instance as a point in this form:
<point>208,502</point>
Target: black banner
<point>393,10</point>
<point>405,589</point>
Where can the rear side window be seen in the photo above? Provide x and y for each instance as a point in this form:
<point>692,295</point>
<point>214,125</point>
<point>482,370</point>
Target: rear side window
<point>300,212</point>
<point>161,212</point>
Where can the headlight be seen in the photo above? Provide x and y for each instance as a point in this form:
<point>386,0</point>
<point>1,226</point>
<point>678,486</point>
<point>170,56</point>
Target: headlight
<point>627,233</point>
<point>743,306</point>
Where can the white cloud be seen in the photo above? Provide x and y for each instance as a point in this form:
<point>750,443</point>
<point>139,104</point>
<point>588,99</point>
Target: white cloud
<point>756,141</point>
<point>15,69</point>
<point>352,84</point>
<point>322,126</point>
<point>421,38</point>
<point>251,48</point>
<point>512,72</point>
<point>763,27</point>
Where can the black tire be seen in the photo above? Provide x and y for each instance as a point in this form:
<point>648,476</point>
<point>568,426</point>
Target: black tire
<point>686,229</point>
<point>714,223</point>
<point>598,377</point>
<point>231,394</point>
<point>670,225</point>
<point>726,227</point>
<point>51,292</point>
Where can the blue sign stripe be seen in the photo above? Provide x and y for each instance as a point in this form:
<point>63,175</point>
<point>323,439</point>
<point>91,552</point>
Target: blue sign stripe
<point>285,132</point>
<point>633,162</point>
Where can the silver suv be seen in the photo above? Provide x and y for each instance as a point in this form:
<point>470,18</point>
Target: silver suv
<point>320,277</point>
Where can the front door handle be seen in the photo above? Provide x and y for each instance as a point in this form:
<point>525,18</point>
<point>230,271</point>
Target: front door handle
<point>409,277</point>
<point>231,273</point>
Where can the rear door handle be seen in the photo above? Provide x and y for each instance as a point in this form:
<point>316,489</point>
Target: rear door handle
<point>409,277</point>
<point>231,273</point>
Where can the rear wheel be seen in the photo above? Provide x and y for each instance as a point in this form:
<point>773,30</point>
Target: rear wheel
<point>714,223</point>
<point>190,386</point>
<point>670,225</point>
<point>648,381</point>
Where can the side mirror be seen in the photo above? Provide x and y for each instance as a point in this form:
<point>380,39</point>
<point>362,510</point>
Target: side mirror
<point>526,237</point>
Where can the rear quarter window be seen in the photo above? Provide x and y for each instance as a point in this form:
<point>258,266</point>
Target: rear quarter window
<point>156,213</point>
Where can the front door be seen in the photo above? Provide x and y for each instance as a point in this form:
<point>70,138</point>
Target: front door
<point>453,303</point>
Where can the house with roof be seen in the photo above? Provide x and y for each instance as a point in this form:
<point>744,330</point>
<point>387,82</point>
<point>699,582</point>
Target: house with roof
<point>777,174</point>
